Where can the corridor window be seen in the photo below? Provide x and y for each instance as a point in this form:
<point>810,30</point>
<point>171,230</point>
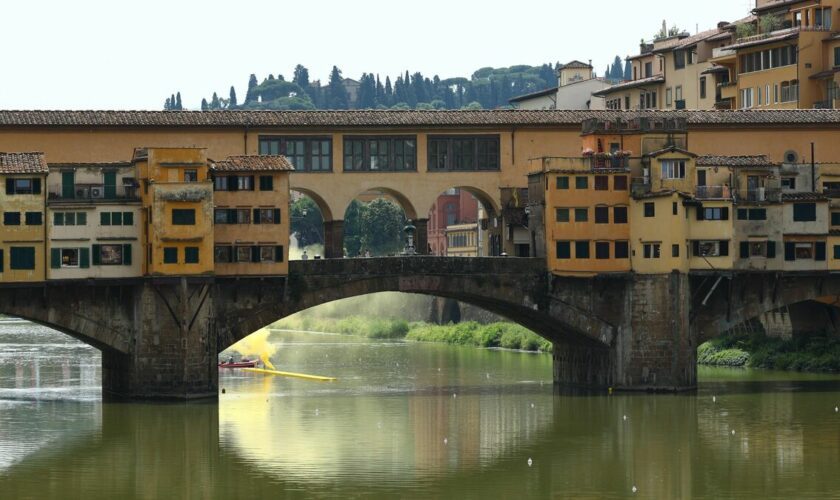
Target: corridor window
<point>380,154</point>
<point>602,215</point>
<point>564,250</point>
<point>33,218</point>
<point>170,255</point>
<point>266,216</point>
<point>23,186</point>
<point>22,258</point>
<point>222,254</point>
<point>620,215</point>
<point>562,182</point>
<point>561,215</point>
<point>463,152</point>
<point>190,175</point>
<point>711,248</point>
<point>620,183</point>
<point>11,218</point>
<point>112,255</point>
<point>713,213</point>
<point>306,154</point>
<point>191,255</point>
<point>752,214</point>
<point>602,183</point>
<point>673,169</point>
<point>581,214</point>
<point>622,250</point>
<point>581,182</point>
<point>243,254</point>
<point>69,257</point>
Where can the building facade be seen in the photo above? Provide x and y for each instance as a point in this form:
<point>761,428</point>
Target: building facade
<point>576,85</point>
<point>22,202</point>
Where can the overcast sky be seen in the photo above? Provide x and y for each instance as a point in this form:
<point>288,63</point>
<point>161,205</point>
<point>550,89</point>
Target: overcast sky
<point>127,54</point>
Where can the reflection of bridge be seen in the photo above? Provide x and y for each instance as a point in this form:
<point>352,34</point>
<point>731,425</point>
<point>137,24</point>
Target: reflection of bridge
<point>160,337</point>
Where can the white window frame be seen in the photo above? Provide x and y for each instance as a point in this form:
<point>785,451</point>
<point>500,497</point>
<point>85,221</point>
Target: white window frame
<point>78,258</point>
<point>672,169</point>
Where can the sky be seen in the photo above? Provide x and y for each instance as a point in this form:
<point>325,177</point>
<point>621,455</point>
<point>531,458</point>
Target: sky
<point>127,54</point>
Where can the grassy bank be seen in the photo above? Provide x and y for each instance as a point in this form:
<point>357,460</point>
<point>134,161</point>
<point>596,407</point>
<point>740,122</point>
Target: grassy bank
<point>807,353</point>
<point>505,335</point>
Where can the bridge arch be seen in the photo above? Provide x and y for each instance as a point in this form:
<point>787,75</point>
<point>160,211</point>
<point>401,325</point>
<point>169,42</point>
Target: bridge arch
<point>323,206</point>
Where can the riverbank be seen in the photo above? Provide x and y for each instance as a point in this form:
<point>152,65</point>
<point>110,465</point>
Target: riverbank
<point>807,353</point>
<point>469,333</point>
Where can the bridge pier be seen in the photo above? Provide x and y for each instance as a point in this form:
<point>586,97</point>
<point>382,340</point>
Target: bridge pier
<point>334,239</point>
<point>421,243</point>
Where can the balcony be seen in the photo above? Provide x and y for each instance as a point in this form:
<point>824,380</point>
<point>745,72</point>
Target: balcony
<point>94,193</point>
<point>634,125</point>
<point>612,162</point>
<point>713,193</point>
<point>760,195</point>
<point>826,104</point>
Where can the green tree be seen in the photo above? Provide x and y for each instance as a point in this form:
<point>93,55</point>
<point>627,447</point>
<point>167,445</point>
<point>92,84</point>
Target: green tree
<point>301,77</point>
<point>307,222</point>
<point>178,105</point>
<point>382,227</point>
<point>252,84</point>
<point>232,97</point>
<point>338,98</point>
<point>204,106</point>
<point>214,103</point>
<point>353,228</point>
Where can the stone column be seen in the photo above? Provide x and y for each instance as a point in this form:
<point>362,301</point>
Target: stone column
<point>334,239</point>
<point>421,236</point>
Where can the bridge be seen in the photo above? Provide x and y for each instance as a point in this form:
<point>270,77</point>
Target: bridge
<point>160,337</point>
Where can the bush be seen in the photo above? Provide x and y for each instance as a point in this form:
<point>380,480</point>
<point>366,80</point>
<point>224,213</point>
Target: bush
<point>813,353</point>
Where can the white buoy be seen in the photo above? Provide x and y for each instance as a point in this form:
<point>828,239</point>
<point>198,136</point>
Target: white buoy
<point>733,432</point>
<point>836,409</point>
<point>714,399</point>
<point>454,395</point>
<point>445,441</point>
<point>624,417</point>
<point>532,405</point>
<point>634,489</point>
<point>488,375</point>
<point>530,462</point>
<point>438,369</point>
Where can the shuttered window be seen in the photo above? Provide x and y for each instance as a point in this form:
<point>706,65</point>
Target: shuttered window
<point>266,183</point>
<point>22,258</point>
<point>170,255</point>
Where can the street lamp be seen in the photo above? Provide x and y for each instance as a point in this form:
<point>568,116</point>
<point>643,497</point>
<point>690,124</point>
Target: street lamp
<point>409,231</point>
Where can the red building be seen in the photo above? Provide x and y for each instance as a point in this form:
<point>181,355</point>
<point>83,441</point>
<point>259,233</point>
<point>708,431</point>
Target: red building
<point>452,207</point>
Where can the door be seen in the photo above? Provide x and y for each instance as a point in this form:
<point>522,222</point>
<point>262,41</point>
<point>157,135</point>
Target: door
<point>68,185</point>
<point>701,177</point>
<point>110,179</point>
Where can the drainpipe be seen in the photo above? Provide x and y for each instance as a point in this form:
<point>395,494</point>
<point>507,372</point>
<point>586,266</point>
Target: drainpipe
<point>813,171</point>
<point>245,139</point>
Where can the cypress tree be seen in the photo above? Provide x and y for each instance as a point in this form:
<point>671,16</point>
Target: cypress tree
<point>167,105</point>
<point>204,104</point>
<point>232,97</point>
<point>252,85</point>
<point>628,70</point>
<point>214,103</point>
<point>389,92</point>
<point>338,98</point>
<point>301,77</point>
<point>178,105</point>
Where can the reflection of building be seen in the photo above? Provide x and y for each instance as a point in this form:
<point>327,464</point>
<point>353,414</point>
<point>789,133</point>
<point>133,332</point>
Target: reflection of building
<point>454,207</point>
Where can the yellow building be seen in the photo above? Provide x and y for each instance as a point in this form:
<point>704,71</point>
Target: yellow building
<point>462,240</point>
<point>23,232</point>
<point>177,196</point>
<point>251,215</point>
<point>659,232</point>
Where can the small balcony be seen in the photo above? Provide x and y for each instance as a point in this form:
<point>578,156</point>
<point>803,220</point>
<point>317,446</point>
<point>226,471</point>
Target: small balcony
<point>94,193</point>
<point>612,162</point>
<point>760,195</point>
<point>826,104</point>
<point>713,193</point>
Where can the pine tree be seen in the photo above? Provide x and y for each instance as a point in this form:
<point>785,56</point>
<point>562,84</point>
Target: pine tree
<point>204,104</point>
<point>301,77</point>
<point>338,98</point>
<point>178,105</point>
<point>628,70</point>
<point>232,97</point>
<point>252,85</point>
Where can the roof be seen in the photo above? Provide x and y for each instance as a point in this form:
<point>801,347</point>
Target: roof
<point>734,161</point>
<point>688,41</point>
<point>660,194</point>
<point>714,69</point>
<point>630,85</point>
<point>397,119</point>
<point>670,149</point>
<point>23,163</point>
<point>253,163</point>
<point>723,35</point>
<point>776,36</point>
<point>593,171</point>
<point>98,164</point>
<point>777,4</point>
<point>576,64</point>
<point>532,95</point>
<point>804,196</point>
<point>824,74</point>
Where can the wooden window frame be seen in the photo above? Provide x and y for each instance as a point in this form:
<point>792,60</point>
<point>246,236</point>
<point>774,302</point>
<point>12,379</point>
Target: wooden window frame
<point>310,153</point>
<point>369,149</point>
<point>443,159</point>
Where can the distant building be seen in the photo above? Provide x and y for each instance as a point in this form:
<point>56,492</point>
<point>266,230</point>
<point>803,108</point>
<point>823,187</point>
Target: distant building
<point>577,83</point>
<point>352,88</point>
<point>452,208</point>
<point>462,240</point>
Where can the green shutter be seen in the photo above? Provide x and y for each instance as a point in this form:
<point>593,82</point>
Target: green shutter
<point>81,219</point>
<point>700,213</point>
<point>58,219</point>
<point>277,216</point>
<point>36,186</point>
<point>191,255</point>
<point>695,248</point>
<point>723,248</point>
<point>104,218</point>
<point>255,254</point>
<point>279,256</point>
<point>127,253</point>
<point>256,219</point>
<point>1,260</point>
<point>724,213</point>
<point>771,249</point>
<point>55,258</point>
<point>116,219</point>
<point>84,258</point>
<point>97,253</point>
<point>745,249</point>
<point>790,251</point>
<point>110,181</point>
<point>128,218</point>
<point>819,251</point>
<point>10,186</point>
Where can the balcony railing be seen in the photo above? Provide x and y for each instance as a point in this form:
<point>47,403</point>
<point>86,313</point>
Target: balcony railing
<point>614,162</point>
<point>640,124</point>
<point>713,193</point>
<point>760,195</point>
<point>827,104</point>
<point>95,192</point>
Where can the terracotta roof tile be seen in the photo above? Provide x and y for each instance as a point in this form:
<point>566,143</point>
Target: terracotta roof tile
<point>804,196</point>
<point>689,41</point>
<point>397,119</point>
<point>734,161</point>
<point>23,163</point>
<point>670,149</point>
<point>253,163</point>
<point>631,84</point>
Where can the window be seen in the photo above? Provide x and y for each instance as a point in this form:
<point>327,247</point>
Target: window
<point>835,218</point>
<point>620,183</point>
<point>266,183</point>
<point>581,182</point>
<point>564,250</point>
<point>183,217</point>
<point>804,212</point>
<point>746,98</point>
<point>836,255</point>
<point>678,93</point>
<point>602,250</point>
<point>116,255</point>
<point>675,210</point>
<point>267,254</point>
<point>758,96</point>
<point>23,186</point>
<point>602,183</point>
<point>582,249</point>
<point>620,215</point>
<point>220,183</point>
<point>463,153</point>
<point>34,219</point>
<point>788,182</point>
<point>306,154</point>
<point>622,250</point>
<point>581,214</point>
<point>673,169</point>
<point>562,182</point>
<point>836,56</point>
<point>11,218</point>
<point>679,59</point>
<point>650,209</point>
<point>651,250</point>
<point>647,99</point>
<point>561,215</point>
<point>222,254</point>
<point>768,59</point>
<point>69,219</point>
<point>669,98</point>
<point>752,214</point>
<point>170,255</point>
<point>713,213</point>
<point>790,91</point>
<point>190,175</point>
<point>69,257</point>
<point>648,69</point>
<point>243,254</point>
<point>381,153</point>
<point>751,249</point>
<point>22,258</point>
<point>266,216</point>
<point>602,215</point>
<point>675,250</point>
<point>711,248</point>
<point>702,87</point>
<point>191,255</point>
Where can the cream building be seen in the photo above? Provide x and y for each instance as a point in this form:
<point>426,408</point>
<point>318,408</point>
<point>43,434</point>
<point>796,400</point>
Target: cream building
<point>577,84</point>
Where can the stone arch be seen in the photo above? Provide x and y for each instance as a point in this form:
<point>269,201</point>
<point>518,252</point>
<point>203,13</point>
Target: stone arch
<point>323,206</point>
<point>401,199</point>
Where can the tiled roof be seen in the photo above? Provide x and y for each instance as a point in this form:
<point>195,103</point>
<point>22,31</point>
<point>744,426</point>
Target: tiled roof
<point>660,194</point>
<point>539,93</point>
<point>105,164</point>
<point>594,171</point>
<point>824,74</point>
<point>670,149</point>
<point>776,36</point>
<point>688,41</point>
<point>396,119</point>
<point>630,85</point>
<point>776,5</point>
<point>804,196</point>
<point>714,69</point>
<point>253,163</point>
<point>734,161</point>
<point>23,163</point>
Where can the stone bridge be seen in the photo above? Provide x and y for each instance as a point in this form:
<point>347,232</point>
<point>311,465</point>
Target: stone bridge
<point>160,337</point>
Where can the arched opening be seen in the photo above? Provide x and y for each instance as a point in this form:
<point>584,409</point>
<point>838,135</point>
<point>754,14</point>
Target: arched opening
<point>463,222</point>
<point>374,224</point>
<point>308,214</point>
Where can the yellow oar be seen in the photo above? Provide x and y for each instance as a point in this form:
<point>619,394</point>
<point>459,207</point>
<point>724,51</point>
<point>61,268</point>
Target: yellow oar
<point>290,374</point>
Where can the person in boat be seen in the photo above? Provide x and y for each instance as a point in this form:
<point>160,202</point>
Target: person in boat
<point>230,360</point>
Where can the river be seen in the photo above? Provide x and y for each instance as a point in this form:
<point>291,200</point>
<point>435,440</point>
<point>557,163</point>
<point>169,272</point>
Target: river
<point>411,421</point>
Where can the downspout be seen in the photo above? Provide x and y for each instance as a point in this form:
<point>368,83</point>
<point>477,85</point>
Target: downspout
<point>813,171</point>
<point>245,138</point>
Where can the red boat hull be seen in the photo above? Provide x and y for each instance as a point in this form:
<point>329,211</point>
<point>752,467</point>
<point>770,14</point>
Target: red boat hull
<point>241,364</point>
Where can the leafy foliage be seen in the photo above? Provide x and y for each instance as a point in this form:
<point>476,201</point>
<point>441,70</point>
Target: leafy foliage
<point>815,353</point>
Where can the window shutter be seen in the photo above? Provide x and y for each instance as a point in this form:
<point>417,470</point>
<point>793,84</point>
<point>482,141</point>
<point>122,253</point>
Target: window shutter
<point>231,216</point>
<point>256,219</point>
<point>104,218</point>
<point>84,258</point>
<point>278,253</point>
<point>745,249</point>
<point>277,216</point>
<point>819,251</point>
<point>252,183</point>
<point>233,183</point>
<point>10,186</point>
<point>55,258</point>
<point>724,213</point>
<point>127,255</point>
<point>1,260</point>
<point>790,250</point>
<point>96,255</point>
<point>255,254</point>
<point>723,248</point>
<point>36,186</point>
<point>700,214</point>
<point>771,249</point>
<point>695,248</point>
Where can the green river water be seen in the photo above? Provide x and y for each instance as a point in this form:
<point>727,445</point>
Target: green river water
<point>407,420</point>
